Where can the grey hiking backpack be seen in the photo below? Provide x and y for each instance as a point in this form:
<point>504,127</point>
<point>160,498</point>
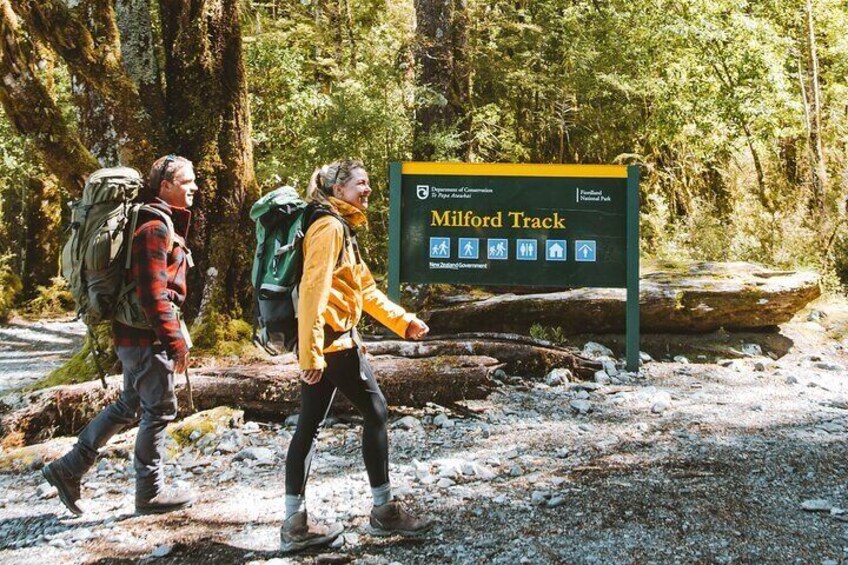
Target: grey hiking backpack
<point>97,254</point>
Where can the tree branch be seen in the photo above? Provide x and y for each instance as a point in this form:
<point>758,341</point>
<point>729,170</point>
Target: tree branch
<point>99,65</point>
<point>21,92</point>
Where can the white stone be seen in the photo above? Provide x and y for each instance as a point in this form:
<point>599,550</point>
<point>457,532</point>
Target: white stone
<point>556,501</point>
<point>538,497</point>
<point>558,377</point>
<point>441,420</point>
<point>408,423</point>
<point>162,551</point>
<point>609,367</point>
<point>581,406</point>
<point>593,349</point>
<point>602,378</point>
<point>45,491</point>
<point>752,350</point>
<point>262,455</point>
<point>816,505</point>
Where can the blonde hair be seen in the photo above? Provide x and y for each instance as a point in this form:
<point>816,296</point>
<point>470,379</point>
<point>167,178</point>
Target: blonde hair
<point>325,178</point>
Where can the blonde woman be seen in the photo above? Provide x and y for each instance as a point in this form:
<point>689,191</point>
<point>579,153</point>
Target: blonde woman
<point>335,289</point>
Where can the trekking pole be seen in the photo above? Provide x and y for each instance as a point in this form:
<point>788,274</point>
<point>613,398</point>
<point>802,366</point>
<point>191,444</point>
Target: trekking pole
<point>95,352</point>
<point>190,395</point>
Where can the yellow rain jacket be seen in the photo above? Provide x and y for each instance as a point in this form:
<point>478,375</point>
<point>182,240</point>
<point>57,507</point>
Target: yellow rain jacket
<point>337,295</point>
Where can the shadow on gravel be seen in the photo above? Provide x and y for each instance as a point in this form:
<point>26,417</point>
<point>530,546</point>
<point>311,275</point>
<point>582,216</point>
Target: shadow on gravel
<point>46,523</point>
<point>206,552</point>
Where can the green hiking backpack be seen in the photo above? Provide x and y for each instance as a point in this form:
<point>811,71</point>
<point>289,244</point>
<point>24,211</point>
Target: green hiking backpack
<point>282,219</point>
<point>98,253</point>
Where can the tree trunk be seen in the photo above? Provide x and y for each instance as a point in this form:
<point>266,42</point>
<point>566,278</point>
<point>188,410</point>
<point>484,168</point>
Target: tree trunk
<point>445,75</point>
<point>762,190</point>
<point>42,219</point>
<point>709,296</point>
<point>263,391</point>
<point>208,105</point>
<point>815,124</point>
<point>521,355</point>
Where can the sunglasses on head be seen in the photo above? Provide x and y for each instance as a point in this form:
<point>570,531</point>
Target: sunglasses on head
<point>164,168</point>
<point>342,163</point>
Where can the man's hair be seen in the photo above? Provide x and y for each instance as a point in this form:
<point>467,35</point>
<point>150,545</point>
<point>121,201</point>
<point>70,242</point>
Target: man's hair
<point>164,168</point>
<point>325,178</point>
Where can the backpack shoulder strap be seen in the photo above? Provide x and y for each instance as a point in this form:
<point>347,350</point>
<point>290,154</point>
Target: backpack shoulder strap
<point>166,219</point>
<point>315,211</point>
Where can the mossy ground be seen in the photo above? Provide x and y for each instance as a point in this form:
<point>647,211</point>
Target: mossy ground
<point>205,422</point>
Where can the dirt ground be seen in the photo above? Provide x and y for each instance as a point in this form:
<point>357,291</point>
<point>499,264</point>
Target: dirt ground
<point>736,455</point>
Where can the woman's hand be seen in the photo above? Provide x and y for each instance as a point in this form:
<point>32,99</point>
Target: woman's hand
<point>311,376</point>
<point>417,329</point>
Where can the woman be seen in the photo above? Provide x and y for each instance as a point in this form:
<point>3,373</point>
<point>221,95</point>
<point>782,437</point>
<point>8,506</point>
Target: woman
<point>335,288</point>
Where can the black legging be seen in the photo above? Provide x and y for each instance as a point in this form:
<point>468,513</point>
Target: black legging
<point>349,372</point>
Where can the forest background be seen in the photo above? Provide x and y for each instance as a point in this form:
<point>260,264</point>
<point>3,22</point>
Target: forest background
<point>736,112</point>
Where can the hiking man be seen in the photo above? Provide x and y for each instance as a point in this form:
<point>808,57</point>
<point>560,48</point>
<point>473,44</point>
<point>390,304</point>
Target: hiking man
<point>150,350</point>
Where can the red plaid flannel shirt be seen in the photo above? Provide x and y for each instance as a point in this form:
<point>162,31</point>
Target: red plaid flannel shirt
<point>160,275</point>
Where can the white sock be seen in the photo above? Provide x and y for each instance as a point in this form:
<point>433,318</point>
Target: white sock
<point>382,494</point>
<point>294,504</point>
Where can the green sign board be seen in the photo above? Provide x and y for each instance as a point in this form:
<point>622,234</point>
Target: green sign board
<point>521,225</point>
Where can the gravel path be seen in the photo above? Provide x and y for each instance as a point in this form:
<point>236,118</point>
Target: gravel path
<point>740,461</point>
<point>30,350</point>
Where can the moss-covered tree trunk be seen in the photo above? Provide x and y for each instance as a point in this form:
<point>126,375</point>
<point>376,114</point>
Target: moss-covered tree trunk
<point>444,79</point>
<point>131,111</point>
<point>208,106</point>
<point>42,214</point>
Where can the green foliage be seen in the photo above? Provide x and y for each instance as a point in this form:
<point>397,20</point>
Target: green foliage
<point>704,95</point>
<point>320,94</point>
<point>554,335</point>
<point>51,301</point>
<point>10,287</point>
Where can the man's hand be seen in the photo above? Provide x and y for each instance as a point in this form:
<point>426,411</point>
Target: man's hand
<point>181,364</point>
<point>417,329</point>
<point>311,376</point>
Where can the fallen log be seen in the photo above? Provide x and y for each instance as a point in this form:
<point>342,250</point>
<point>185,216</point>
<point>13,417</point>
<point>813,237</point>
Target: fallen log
<point>699,299</point>
<point>265,391</point>
<point>521,355</point>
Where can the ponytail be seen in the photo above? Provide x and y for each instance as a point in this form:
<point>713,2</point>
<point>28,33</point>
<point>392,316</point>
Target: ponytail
<point>324,178</point>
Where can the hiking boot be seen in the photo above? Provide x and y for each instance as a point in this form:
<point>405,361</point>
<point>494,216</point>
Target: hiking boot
<point>168,500</point>
<point>299,532</point>
<point>67,485</point>
<point>392,518</point>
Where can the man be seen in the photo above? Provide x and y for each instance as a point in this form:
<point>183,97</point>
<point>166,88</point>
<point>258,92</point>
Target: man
<point>150,355</point>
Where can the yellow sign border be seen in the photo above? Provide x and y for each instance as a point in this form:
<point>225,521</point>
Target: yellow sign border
<point>514,170</point>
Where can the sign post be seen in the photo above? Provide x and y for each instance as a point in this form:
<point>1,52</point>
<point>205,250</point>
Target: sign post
<point>519,225</point>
